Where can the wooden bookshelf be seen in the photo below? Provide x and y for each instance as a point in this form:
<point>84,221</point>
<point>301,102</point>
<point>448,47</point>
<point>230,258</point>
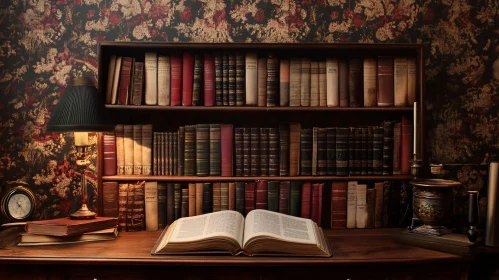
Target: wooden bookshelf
<point>251,178</point>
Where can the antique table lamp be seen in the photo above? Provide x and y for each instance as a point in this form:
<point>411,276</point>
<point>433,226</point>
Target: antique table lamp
<point>81,110</point>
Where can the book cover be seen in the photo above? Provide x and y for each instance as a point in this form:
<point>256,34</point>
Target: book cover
<point>151,76</point>
<point>264,152</point>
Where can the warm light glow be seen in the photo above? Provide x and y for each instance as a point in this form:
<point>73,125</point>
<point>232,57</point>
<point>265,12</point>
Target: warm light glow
<point>81,138</point>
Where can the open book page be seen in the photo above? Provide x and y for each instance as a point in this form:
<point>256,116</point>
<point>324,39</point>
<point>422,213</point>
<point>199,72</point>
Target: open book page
<point>225,223</point>
<point>267,223</point>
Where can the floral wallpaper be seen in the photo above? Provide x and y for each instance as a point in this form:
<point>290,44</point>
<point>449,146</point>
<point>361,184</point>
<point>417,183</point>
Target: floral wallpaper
<point>45,44</point>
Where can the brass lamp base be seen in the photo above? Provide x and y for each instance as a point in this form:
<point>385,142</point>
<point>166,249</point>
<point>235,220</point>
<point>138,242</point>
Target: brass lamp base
<point>83,214</point>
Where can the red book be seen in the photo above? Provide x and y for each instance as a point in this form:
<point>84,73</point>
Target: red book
<point>306,192</point>
<point>406,146</point>
<point>126,72</point>
<point>284,197</point>
<point>262,194</point>
<point>339,205</point>
<point>226,132</point>
<point>209,81</point>
<point>249,197</point>
<point>317,203</point>
<point>176,79</point>
<point>109,154</point>
<point>187,78</point>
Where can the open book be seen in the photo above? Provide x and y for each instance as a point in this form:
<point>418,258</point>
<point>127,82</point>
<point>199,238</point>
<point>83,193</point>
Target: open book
<point>262,232</point>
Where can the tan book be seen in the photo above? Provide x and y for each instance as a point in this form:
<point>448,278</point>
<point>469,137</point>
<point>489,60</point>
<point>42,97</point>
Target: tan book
<point>151,205</point>
<point>228,231</point>
<point>28,239</point>
<point>116,80</point>
<point>370,76</point>
<point>314,83</point>
<point>199,198</point>
<point>295,82</point>
<point>192,199</point>
<point>217,188</point>
<point>294,149</point>
<point>378,209</point>
<point>371,206</point>
<point>400,81</point>
<point>322,84</point>
<point>146,149</point>
<point>361,211</point>
<point>333,98</point>
<point>163,80</point>
<point>305,82</point>
<point>119,131</point>
<point>352,204</point>
<point>151,74</point>
<point>411,80</point>
<point>110,79</point>
<point>284,82</point>
<point>137,149</point>
<point>128,147</point>
<point>251,62</point>
<point>262,81</point>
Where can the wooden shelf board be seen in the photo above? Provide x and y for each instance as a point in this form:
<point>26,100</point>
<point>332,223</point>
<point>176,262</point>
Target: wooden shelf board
<point>250,178</point>
<point>255,109</point>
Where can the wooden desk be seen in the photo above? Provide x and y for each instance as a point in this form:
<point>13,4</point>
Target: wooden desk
<point>358,254</point>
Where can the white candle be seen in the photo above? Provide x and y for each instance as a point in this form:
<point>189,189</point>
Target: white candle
<point>415,127</point>
<point>81,138</point>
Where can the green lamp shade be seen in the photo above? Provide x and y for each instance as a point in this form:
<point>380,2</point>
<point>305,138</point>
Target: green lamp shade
<point>80,109</point>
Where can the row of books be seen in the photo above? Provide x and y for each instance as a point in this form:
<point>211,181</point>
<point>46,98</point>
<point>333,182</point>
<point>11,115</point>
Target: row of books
<point>289,150</point>
<point>249,79</point>
<point>154,205</point>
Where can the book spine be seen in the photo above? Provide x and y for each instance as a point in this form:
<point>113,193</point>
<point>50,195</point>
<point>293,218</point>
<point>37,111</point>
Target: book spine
<point>110,78</point>
<point>232,79</point>
<point>352,204</point>
<point>138,83</point>
<point>295,82</point>
<point>129,151</point>
<point>217,192</point>
<point>246,152</point>
<point>314,150</point>
<point>224,196</point>
<point>378,208</point>
<point>315,215</point>
<point>385,81</point>
<point>232,196</point>
<point>240,197</point>
<point>163,80</point>
<point>284,82</point>
<point>294,149</point>
<point>284,195</point>
<point>170,203</point>
<point>181,150</point>
<point>192,199</point>
<point>146,149</point>
<point>151,206</point>
<point>272,80</point>
<point>273,196</point>
<point>155,153</point>
<point>295,199</point>
<point>305,82</point>
<point>151,75</point>
<point>355,82</point>
<point>251,79</point>
<point>116,79</point>
<point>175,153</point>
<point>170,153</point>
<point>306,152</point>
<point>361,212</point>
<point>254,151</point>
<point>197,79</point>
<point>314,83</point>
<point>370,136</point>
<point>240,80</point>
<point>377,150</point>
<point>207,198</point>
<point>110,200</point>
<point>176,79</point>
<point>411,80</point>
<point>284,149</point>
<point>262,82</point>
<point>322,84</point>
<point>187,78</point>
<point>162,156</point>
<point>162,199</point>
<point>109,154</point>
<point>406,145</point>
<point>138,217</point>
<point>225,79</point>
<point>184,208</point>
<point>339,205</point>
<point>342,151</point>
<point>202,150</point>
<point>249,197</point>
<point>264,151</point>
<point>306,196</point>
<point>273,151</point>
<point>129,207</point>
<point>387,148</point>
<point>261,196</point>
<point>218,79</point>
<point>321,152</point>
<point>371,206</point>
<point>199,198</point>
<point>352,166</point>
<point>343,83</point>
<point>226,135</point>
<point>363,154</point>
<point>370,82</point>
<point>119,131</point>
<point>215,150</point>
<point>238,143</point>
<point>397,135</point>
<point>331,151</point>
<point>400,81</point>
<point>209,79</point>
<point>333,98</point>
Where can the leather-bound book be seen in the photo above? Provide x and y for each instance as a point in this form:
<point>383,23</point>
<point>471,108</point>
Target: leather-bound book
<point>411,80</point>
<point>306,152</point>
<point>343,83</point>
<point>272,80</point>
<point>184,208</point>
<point>397,135</point>
<point>355,82</point>
<point>192,199</point>
<point>224,196</point>
<point>361,212</point>
<point>369,74</point>
<point>170,203</point>
<point>122,206</point>
<point>162,200</point>
<point>264,152</point>
<point>155,157</point>
<point>226,143</point>
<point>391,204</point>
<point>251,62</point>
<point>181,150</point>
<point>164,153</point>
<point>218,79</point>
<point>146,149</point>
<point>164,85</point>
<point>294,149</point>
<point>169,157</point>
<point>240,197</point>
<point>110,78</point>
<point>342,151</point>
<point>119,131</point>
<point>295,199</point>
<point>400,81</point>
<point>199,198</point>
<point>109,154</point>
<point>207,198</point>
<point>352,154</point>
<point>331,151</point>
<point>225,79</point>
<point>129,145</point>
<point>246,151</point>
<point>371,208</point>
<point>176,79</point>
<point>387,148</point>
<point>352,204</point>
<point>273,151</point>
<point>232,79</point>
<point>240,80</point>
<point>110,199</point>
<point>116,80</point>
<point>254,151</point>
<point>151,76</point>
<point>314,150</point>
<point>305,82</point>
<point>284,149</point>
<point>339,205</point>
<point>378,208</point>
<point>295,82</point>
<point>261,196</point>
<point>370,136</point>
<point>284,197</point>
<point>215,150</point>
<point>321,152</point>
<point>284,82</point>
<point>377,150</point>
<point>197,80</point>
<point>316,206</point>
<point>238,147</point>
<point>306,197</point>
<point>175,154</point>
<point>217,203</point>
<point>138,216</point>
<point>363,153</point>
<point>232,196</point>
<point>138,83</point>
<point>202,149</point>
<point>262,82</point>
<point>385,81</point>
<point>249,197</point>
<point>332,87</point>
<point>209,79</point>
<point>273,196</point>
<point>406,145</point>
<point>322,84</point>
<point>151,205</point>
<point>187,77</point>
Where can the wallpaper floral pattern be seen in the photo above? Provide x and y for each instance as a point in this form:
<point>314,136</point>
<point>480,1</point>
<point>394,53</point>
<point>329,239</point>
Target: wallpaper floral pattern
<point>45,44</point>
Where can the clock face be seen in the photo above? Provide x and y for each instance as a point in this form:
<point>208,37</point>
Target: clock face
<point>19,206</point>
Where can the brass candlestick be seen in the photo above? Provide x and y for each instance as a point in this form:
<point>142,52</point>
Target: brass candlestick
<point>82,162</point>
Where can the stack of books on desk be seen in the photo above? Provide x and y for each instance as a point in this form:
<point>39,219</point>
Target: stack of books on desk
<point>66,231</point>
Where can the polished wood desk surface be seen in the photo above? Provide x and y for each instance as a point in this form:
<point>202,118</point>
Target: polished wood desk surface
<point>366,246</point>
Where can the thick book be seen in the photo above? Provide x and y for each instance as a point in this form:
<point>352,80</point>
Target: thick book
<point>184,206</point>
<point>352,204</point>
<point>411,80</point>
<point>343,83</point>
<point>202,149</point>
<point>122,205</point>
<point>232,196</point>
<point>322,84</point>
<point>109,154</point>
<point>295,82</point>
<point>273,151</point>
<point>261,194</point>
<point>28,239</point>
<point>306,152</point>
<point>209,79</point>
<point>187,78</point>
<point>151,205</point>
<point>225,79</point>
<point>342,151</point>
<point>331,151</point>
<point>67,226</point>
<point>272,80</point>
<point>339,205</point>
<point>306,198</point>
<point>232,79</point>
<point>224,196</point>
<point>226,132</point>
<point>128,149</point>
<point>191,191</point>
<point>406,145</point>
<point>361,211</point>
<point>162,197</point>
<point>137,149</point>
<point>215,150</point>
<point>284,82</point>
<point>333,98</point>
<point>400,81</point>
<point>125,77</point>
<point>385,81</point>
<point>199,198</point>
<point>240,80</point>
<point>284,196</point>
<point>251,60</point>
<point>217,61</point>
<point>177,200</point>
<point>190,151</point>
<point>217,191</point>
<point>314,83</point>
<point>262,82</point>
<point>176,79</point>
<point>284,149</point>
<point>305,82</point>
<point>249,197</point>
<point>264,152</point>
<point>369,82</point>
<point>294,149</point>
<point>321,152</point>
<point>229,232</point>
<point>316,203</point>
<point>119,131</point>
<point>110,199</point>
<point>163,80</point>
<point>151,78</point>
<point>397,135</point>
<point>273,196</point>
<point>197,80</point>
<point>138,83</point>
<point>246,151</point>
<point>146,149</point>
<point>255,151</point>
<point>238,150</point>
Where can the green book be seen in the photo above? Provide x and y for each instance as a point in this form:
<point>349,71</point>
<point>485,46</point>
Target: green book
<point>215,155</point>
<point>202,149</point>
<point>273,196</point>
<point>190,151</point>
<point>295,201</point>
